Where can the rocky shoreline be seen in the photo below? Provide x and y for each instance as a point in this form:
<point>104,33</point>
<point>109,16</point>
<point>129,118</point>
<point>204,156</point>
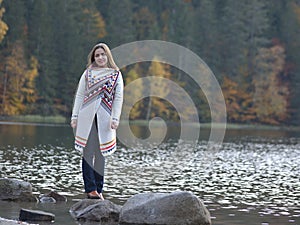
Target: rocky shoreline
<point>176,208</point>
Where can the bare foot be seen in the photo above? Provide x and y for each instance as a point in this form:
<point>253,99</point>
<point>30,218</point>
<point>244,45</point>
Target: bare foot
<point>101,196</point>
<point>93,195</point>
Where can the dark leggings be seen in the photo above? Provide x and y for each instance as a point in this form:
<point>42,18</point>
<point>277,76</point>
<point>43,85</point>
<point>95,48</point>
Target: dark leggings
<point>93,162</point>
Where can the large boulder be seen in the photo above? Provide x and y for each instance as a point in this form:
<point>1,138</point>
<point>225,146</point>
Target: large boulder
<point>16,190</point>
<point>105,212</point>
<point>177,208</point>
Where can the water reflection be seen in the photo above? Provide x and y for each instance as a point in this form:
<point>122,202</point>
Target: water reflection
<point>253,174</point>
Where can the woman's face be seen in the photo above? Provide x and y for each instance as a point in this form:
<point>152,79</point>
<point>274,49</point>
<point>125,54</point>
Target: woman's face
<point>100,58</point>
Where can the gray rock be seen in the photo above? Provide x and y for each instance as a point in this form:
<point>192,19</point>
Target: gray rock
<point>177,208</point>
<point>16,190</point>
<point>46,199</point>
<point>105,212</point>
<point>35,215</point>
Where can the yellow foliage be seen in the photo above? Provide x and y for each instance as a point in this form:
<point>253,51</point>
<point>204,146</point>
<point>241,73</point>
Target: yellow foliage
<point>265,100</point>
<point>238,102</point>
<point>18,87</point>
<point>100,24</point>
<point>271,93</point>
<point>28,90</point>
<point>3,25</point>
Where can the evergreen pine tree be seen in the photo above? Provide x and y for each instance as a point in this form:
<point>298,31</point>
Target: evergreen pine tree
<point>120,23</point>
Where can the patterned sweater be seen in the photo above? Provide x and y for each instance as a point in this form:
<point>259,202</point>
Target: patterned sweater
<point>81,91</point>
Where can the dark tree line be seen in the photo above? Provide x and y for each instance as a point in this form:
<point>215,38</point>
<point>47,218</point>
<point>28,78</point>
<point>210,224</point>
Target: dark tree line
<point>251,46</point>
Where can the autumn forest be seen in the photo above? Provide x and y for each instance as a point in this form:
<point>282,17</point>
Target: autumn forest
<point>252,47</point>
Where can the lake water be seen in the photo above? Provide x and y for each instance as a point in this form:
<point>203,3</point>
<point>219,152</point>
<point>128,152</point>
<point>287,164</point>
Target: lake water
<point>252,179</point>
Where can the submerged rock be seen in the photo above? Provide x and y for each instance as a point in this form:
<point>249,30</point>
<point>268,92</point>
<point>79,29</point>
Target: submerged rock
<point>35,215</point>
<point>16,190</point>
<point>52,197</point>
<point>104,212</point>
<point>46,199</point>
<point>177,208</point>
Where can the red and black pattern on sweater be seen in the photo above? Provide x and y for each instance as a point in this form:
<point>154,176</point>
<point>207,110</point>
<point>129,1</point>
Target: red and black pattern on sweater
<point>103,88</point>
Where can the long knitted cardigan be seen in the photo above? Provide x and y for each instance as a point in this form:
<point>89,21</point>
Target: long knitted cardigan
<point>99,93</point>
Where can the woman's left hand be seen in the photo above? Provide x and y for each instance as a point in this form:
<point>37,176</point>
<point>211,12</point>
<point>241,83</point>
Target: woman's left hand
<point>114,124</point>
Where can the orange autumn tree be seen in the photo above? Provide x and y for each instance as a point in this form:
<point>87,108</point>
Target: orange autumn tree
<point>271,91</point>
<point>3,25</point>
<point>238,101</point>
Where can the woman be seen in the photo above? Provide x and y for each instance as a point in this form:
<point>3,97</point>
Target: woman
<point>95,116</point>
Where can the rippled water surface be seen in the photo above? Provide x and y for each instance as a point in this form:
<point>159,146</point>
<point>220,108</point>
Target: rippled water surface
<point>252,179</point>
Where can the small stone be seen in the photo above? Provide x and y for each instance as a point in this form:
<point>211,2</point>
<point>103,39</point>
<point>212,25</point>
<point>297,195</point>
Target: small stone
<point>56,196</point>
<point>46,199</point>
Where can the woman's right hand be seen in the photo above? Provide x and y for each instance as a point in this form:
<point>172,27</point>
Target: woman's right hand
<point>73,123</point>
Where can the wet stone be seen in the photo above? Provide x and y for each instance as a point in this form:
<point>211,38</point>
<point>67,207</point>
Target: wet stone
<point>46,199</point>
<point>177,208</point>
<point>16,190</point>
<point>56,196</point>
<point>53,196</point>
<point>35,215</point>
<point>104,212</point>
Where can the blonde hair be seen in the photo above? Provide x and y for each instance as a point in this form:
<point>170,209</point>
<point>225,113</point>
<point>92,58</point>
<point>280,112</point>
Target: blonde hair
<point>110,61</point>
